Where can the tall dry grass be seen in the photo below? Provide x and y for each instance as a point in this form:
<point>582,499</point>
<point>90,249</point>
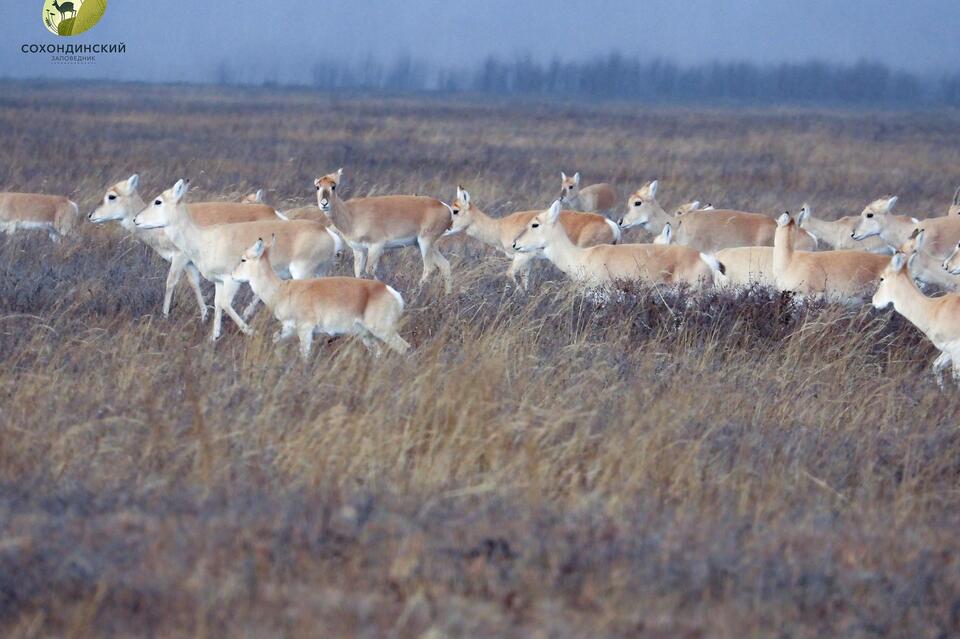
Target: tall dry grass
<point>667,464</point>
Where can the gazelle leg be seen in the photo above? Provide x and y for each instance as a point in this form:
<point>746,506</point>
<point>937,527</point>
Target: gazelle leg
<point>373,256</point>
<point>177,265</point>
<point>217,311</point>
<point>230,287</point>
<point>939,364</point>
<point>444,266</point>
<point>359,259</point>
<point>288,328</point>
<point>519,270</point>
<point>193,278</point>
<point>305,333</point>
<point>251,308</point>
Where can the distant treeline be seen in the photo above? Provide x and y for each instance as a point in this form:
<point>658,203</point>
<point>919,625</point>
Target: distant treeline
<point>631,78</point>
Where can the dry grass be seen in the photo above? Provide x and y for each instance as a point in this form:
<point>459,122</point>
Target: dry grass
<point>667,466</point>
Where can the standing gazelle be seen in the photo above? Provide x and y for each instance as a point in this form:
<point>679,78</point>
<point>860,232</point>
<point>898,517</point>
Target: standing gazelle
<point>54,214</point>
<point>844,276</point>
<point>938,318</point>
<point>598,198</point>
<point>303,249</point>
<point>331,305</point>
<point>122,202</point>
<point>583,229</point>
<point>836,234</point>
<point>607,264</point>
<point>372,224</point>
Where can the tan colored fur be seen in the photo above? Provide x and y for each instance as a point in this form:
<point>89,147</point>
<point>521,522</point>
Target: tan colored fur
<point>583,229</point>
<point>844,276</point>
<point>54,214</point>
<point>331,305</point>
<point>837,234</point>
<point>371,225</point>
<point>942,233</point>
<point>600,197</point>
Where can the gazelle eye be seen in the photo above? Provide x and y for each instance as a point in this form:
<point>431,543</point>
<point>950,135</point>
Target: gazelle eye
<point>157,202</point>
<point>333,188</point>
<point>638,203</point>
<point>881,279</point>
<point>534,225</point>
<point>111,197</point>
<point>456,211</point>
<point>869,214</point>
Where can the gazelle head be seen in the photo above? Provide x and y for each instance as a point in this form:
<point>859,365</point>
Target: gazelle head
<point>952,263</point>
<point>569,187</point>
<point>955,205</point>
<point>686,208</point>
<point>540,231</point>
<point>120,202</point>
<point>873,218</point>
<point>462,211</point>
<point>161,211</point>
<point>885,292</point>
<point>644,211</point>
<point>253,198</point>
<point>250,260</point>
<point>327,189</point>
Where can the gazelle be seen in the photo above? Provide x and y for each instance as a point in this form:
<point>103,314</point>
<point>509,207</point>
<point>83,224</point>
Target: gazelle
<point>837,234</point>
<point>122,202</point>
<point>924,267</point>
<point>705,230</point>
<point>303,248</point>
<point>54,214</point>
<point>938,318</point>
<point>743,266</point>
<point>606,264</point>
<point>845,276</point>
<point>877,219</point>
<point>331,305</point>
<point>372,224</point>
<point>584,229</point>
<point>599,198</point>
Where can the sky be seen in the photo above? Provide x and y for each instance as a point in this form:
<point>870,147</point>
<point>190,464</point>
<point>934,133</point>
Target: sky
<point>187,40</point>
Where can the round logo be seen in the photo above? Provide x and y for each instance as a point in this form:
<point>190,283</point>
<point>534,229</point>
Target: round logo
<point>72,17</point>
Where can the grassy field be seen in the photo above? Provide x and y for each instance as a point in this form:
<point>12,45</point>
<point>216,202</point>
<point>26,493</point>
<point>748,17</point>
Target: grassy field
<point>542,465</point>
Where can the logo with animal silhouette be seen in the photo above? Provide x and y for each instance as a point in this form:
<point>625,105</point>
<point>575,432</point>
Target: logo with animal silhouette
<point>72,17</point>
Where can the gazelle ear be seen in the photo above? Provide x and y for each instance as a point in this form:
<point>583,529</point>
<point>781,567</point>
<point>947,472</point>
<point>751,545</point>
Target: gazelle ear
<point>179,190</point>
<point>919,236</point>
<point>463,195</point>
<point>316,183</point>
<point>653,188</point>
<point>553,214</point>
<point>273,239</point>
<point>666,235</point>
<point>804,213</point>
<point>956,196</point>
<point>257,249</point>
<point>339,175</point>
<point>576,177</point>
<point>259,196</point>
<point>892,202</point>
<point>897,261</point>
<point>133,182</point>
<point>784,219</point>
<point>695,205</point>
<point>563,176</point>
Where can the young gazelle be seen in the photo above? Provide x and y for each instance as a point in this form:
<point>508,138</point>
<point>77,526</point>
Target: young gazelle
<point>704,230</point>
<point>331,305</point>
<point>606,264</point>
<point>837,234</point>
<point>303,248</point>
<point>372,224</point>
<point>584,229</point>
<point>54,214</point>
<point>743,266</point>
<point>938,318</point>
<point>942,233</point>
<point>122,202</point>
<point>845,276</point>
<point>599,198</point>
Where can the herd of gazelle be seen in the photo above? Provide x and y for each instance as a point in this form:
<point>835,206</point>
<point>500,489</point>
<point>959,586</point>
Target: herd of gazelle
<point>284,256</point>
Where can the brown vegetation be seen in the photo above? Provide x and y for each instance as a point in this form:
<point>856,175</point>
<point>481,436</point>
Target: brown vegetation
<point>666,465</point>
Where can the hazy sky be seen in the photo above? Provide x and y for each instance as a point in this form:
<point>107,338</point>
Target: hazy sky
<point>187,39</point>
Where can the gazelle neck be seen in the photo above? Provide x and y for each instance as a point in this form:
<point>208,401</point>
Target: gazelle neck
<point>484,228</point>
<point>565,255</point>
<point>783,247</point>
<point>266,284</point>
<point>897,229</point>
<point>341,215</point>
<point>184,232</point>
<point>136,205</point>
<point>829,232</point>
<point>910,301</point>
